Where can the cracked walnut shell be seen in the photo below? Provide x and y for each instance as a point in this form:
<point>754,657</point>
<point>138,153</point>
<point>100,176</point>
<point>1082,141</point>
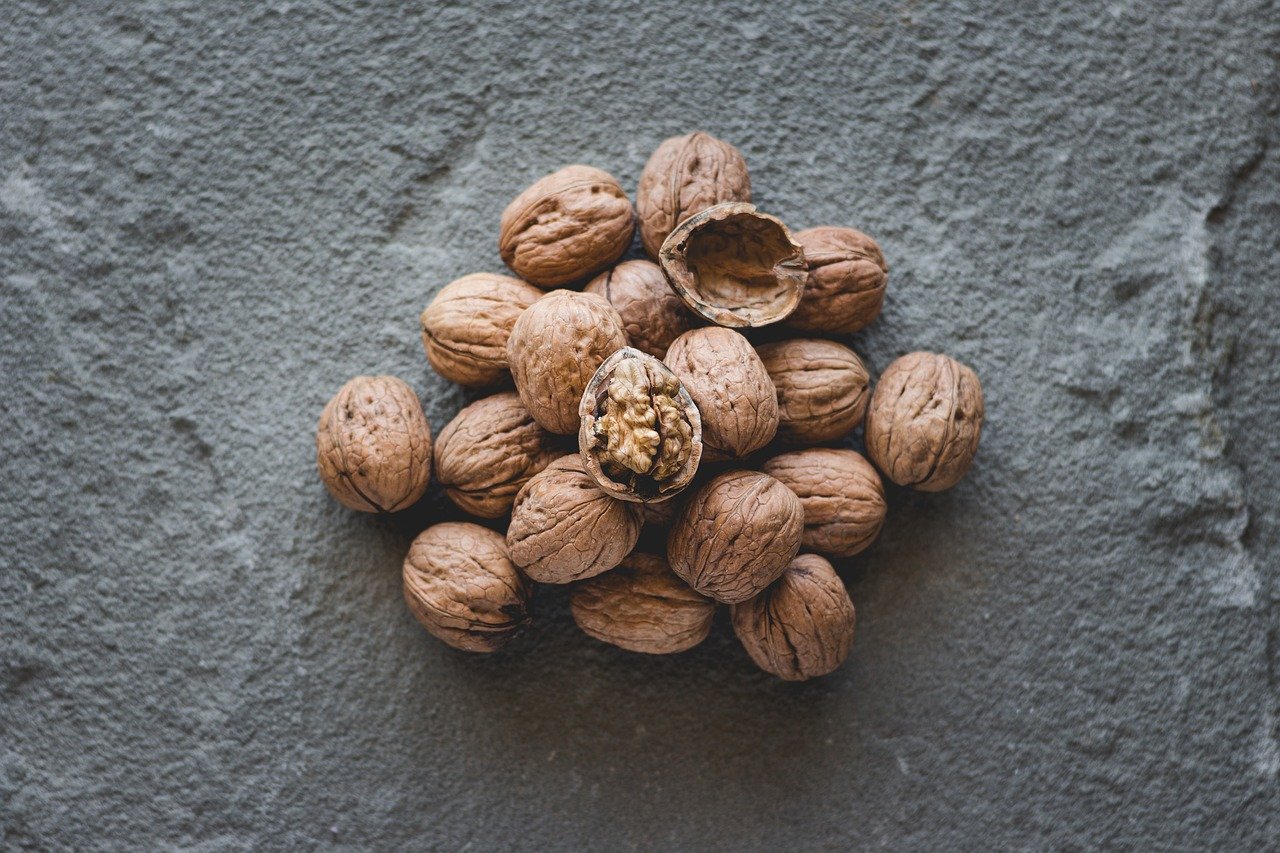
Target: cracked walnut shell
<point>466,326</point>
<point>845,287</point>
<point>686,175</point>
<point>642,606</point>
<point>842,496</point>
<point>823,389</point>
<point>651,312</point>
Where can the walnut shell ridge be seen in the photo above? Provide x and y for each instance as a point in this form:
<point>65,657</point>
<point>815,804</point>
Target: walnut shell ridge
<point>731,388</point>
<point>651,312</point>
<point>642,606</point>
<point>842,496</point>
<point>845,287</point>
<point>823,389</point>
<point>686,175</point>
<point>466,326</point>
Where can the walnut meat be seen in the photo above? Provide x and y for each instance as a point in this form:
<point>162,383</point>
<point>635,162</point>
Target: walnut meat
<point>842,496</point>
<point>642,606</point>
<point>564,528</point>
<point>735,266</point>
<point>566,226</point>
<point>465,328</point>
<point>651,312</point>
<point>489,451</point>
<point>731,388</point>
<point>802,626</point>
<point>736,535</point>
<point>373,445</point>
<point>685,175</point>
<point>555,348</point>
<point>924,421</point>
<point>460,584</point>
<point>847,277</point>
<point>823,389</point>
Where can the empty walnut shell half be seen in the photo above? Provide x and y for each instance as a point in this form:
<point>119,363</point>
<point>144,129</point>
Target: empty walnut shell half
<point>735,265</point>
<point>466,326</point>
<point>823,389</point>
<point>847,276</point>
<point>641,435</point>
<point>652,313</point>
<point>642,606</point>
<point>685,175</point>
<point>842,496</point>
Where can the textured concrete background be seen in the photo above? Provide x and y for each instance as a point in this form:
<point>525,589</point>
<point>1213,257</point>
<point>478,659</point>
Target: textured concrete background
<point>211,217</point>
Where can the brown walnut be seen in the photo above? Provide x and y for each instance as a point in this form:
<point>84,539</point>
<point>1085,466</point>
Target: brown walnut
<point>651,312</point>
<point>373,445</point>
<point>823,389</point>
<point>847,276</point>
<point>841,493</point>
<point>460,584</point>
<point>466,326</point>
<point>566,226</point>
<point>735,266</point>
<point>685,175</point>
<point>642,606</point>
<point>802,626</point>
<point>736,535</point>
<point>924,421</point>
<point>489,451</point>
<point>555,348</point>
<point>731,388</point>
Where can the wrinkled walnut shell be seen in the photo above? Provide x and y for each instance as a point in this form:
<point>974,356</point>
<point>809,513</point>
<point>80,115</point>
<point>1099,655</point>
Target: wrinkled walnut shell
<point>735,266</point>
<point>686,175</point>
<point>460,584</point>
<point>802,626</point>
<point>845,288</point>
<point>642,606</point>
<point>736,535</point>
<point>373,445</point>
<point>842,496</point>
<point>651,312</point>
<point>924,421</point>
<point>466,326</point>
<point>566,226</point>
<point>823,389</point>
<point>489,451</point>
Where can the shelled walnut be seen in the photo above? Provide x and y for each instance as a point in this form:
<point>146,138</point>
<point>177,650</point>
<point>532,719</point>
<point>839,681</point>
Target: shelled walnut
<point>845,287</point>
<point>686,175</point>
<point>652,314</point>
<point>466,326</point>
<point>642,606</point>
<point>843,499</point>
<point>823,389</point>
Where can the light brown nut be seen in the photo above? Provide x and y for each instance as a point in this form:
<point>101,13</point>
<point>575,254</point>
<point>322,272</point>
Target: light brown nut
<point>823,389</point>
<point>460,584</point>
<point>736,535</point>
<point>489,451</point>
<point>842,496</point>
<point>802,626</point>
<point>686,175</point>
<point>466,326</point>
<point>555,348</point>
<point>735,266</point>
<point>652,313</point>
<point>924,421</point>
<point>373,445</point>
<point>566,226</point>
<point>563,528</point>
<point>642,606</point>
<point>731,388</point>
<point>847,277</point>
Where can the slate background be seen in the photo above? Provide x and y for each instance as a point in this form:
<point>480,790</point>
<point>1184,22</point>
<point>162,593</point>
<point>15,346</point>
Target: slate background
<point>213,214</point>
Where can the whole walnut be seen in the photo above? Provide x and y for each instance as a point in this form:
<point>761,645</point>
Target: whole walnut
<point>555,348</point>
<point>373,445</point>
<point>841,493</point>
<point>564,528</point>
<point>651,312</point>
<point>736,535</point>
<point>802,626</point>
<point>685,175</point>
<point>566,226</point>
<point>731,388</point>
<point>489,451</point>
<point>845,288</point>
<point>465,328</point>
<point>642,606</point>
<point>823,389</point>
<point>460,584</point>
<point>924,421</point>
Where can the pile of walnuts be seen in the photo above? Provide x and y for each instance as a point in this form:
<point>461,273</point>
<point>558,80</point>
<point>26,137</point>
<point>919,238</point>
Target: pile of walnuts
<point>680,422</point>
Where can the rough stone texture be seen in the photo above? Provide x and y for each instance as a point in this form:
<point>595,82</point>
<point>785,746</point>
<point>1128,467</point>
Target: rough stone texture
<point>212,217</point>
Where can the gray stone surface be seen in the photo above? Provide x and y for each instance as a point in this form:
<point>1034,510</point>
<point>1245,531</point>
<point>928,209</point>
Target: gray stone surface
<point>211,216</point>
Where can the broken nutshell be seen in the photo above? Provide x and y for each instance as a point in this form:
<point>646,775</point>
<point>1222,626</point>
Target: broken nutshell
<point>823,389</point>
<point>651,312</point>
<point>642,606</point>
<point>842,496</point>
<point>685,175</point>
<point>466,326</point>
<point>845,287</point>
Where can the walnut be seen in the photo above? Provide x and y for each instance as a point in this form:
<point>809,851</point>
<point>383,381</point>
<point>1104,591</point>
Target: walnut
<point>465,328</point>
<point>736,535</point>
<point>842,496</point>
<point>731,388</point>
<point>652,313</point>
<point>642,606</point>
<point>489,451</point>
<point>823,389</point>
<point>564,528</point>
<point>462,587</point>
<point>735,266</point>
<point>802,626</point>
<point>847,276</point>
<point>554,349</point>
<point>373,445</point>
<point>924,421</point>
<point>567,226</point>
<point>687,174</point>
